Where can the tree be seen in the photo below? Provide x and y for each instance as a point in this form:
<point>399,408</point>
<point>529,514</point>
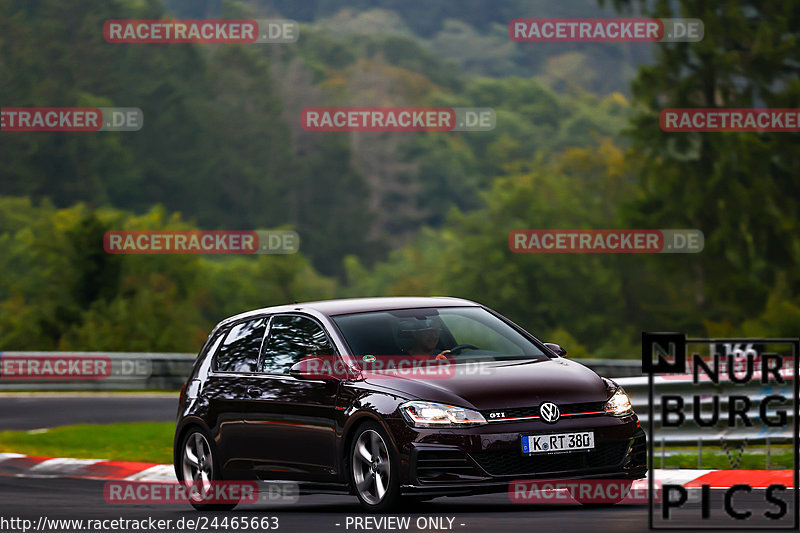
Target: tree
<point>740,189</point>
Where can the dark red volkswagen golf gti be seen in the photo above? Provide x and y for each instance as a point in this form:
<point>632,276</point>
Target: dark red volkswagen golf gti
<point>391,398</point>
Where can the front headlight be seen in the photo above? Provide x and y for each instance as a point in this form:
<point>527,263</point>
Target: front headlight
<point>619,404</point>
<point>430,415</point>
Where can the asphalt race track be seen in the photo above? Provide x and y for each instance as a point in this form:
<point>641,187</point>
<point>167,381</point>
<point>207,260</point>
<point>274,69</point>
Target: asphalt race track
<point>45,411</point>
<point>81,498</point>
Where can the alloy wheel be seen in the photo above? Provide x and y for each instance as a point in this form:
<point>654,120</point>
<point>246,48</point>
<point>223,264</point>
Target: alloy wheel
<point>198,466</point>
<point>371,467</point>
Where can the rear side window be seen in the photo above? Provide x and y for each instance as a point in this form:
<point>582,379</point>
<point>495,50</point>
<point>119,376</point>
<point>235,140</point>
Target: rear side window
<point>239,350</point>
<point>290,339</point>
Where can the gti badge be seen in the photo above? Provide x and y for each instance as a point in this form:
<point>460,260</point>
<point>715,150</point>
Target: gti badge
<point>549,412</point>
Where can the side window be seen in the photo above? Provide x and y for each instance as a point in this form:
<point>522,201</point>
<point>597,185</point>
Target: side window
<point>290,339</point>
<point>213,346</point>
<point>239,350</point>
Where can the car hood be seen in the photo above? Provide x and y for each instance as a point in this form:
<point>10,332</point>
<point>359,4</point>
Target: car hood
<point>503,385</point>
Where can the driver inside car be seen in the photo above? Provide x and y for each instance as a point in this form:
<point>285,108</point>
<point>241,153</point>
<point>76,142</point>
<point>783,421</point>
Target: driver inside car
<point>425,335</point>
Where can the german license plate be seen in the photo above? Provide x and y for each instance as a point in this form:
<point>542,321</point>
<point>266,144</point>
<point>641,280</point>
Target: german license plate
<point>558,442</point>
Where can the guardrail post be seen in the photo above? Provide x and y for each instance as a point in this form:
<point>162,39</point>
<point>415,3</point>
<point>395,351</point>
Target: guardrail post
<point>699,453</point>
<point>768,450</point>
<point>662,453</point>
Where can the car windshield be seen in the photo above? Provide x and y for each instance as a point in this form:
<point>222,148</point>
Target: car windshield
<point>462,334</point>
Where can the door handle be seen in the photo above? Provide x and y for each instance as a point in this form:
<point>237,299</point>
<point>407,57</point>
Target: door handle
<point>253,392</point>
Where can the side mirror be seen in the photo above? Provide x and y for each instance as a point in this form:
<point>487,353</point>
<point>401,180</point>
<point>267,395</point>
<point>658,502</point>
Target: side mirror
<point>559,351</point>
<point>324,368</point>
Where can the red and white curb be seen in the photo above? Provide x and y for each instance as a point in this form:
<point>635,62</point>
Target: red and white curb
<point>15,464</point>
<point>723,479</point>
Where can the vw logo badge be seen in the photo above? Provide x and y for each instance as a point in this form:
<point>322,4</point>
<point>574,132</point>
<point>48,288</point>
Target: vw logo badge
<point>549,412</point>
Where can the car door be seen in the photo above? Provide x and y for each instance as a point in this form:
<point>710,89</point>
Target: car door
<point>292,420</point>
<point>226,390</point>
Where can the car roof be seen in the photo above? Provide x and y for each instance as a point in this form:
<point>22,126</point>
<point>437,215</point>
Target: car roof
<point>358,305</point>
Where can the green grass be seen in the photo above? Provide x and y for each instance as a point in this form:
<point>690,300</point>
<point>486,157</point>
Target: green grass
<point>750,461</point>
<point>753,458</point>
<point>137,441</point>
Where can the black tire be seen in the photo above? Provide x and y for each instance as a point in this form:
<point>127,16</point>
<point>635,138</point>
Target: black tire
<point>198,460</point>
<point>374,469</point>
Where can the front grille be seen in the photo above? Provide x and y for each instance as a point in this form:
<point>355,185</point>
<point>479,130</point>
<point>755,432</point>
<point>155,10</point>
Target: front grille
<point>444,465</point>
<point>509,463</point>
<point>582,407</point>
<point>566,409</point>
<point>639,450</point>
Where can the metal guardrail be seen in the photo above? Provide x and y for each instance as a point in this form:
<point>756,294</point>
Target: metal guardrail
<point>614,368</point>
<point>117,371</point>
<point>690,432</point>
<point>628,373</point>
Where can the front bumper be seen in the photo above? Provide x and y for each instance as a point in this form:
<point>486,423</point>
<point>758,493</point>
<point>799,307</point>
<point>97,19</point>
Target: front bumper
<point>487,458</point>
